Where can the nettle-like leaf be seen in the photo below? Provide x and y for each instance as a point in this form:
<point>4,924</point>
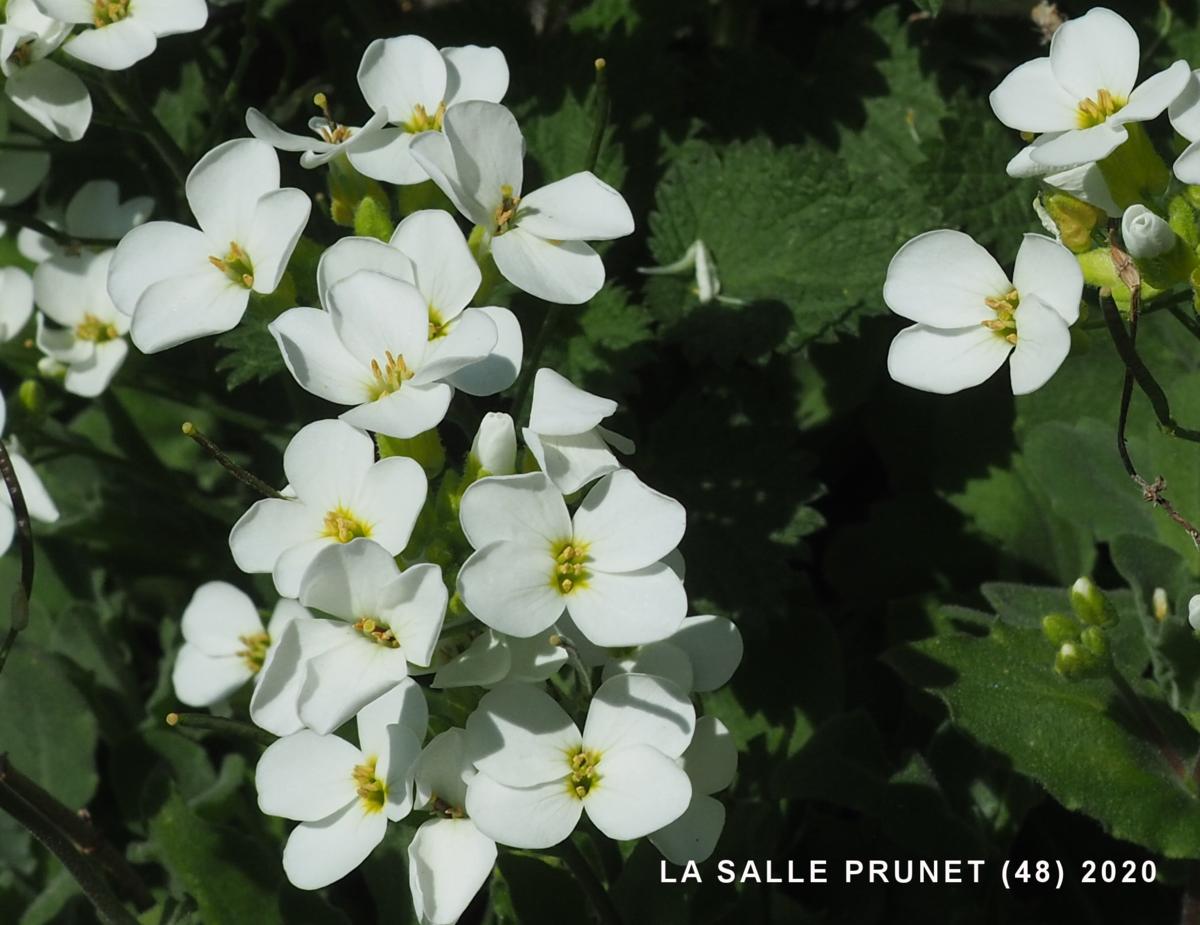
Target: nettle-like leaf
<point>1077,739</point>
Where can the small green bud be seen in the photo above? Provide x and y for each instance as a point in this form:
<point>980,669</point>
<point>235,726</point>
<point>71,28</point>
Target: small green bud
<point>1182,218</point>
<point>348,188</point>
<point>1075,219</point>
<point>417,196</point>
<point>1091,605</point>
<point>372,219</point>
<point>426,448</point>
<point>32,396</point>
<point>1060,628</point>
<point>1095,641</point>
<point>1074,662</point>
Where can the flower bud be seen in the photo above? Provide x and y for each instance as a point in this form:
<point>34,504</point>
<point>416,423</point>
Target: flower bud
<point>494,449</point>
<point>1091,605</point>
<point>1160,604</point>
<point>1145,234</point>
<point>1194,612</point>
<point>50,368</point>
<point>1074,661</point>
<point>1095,641</point>
<point>32,396</point>
<point>1060,628</point>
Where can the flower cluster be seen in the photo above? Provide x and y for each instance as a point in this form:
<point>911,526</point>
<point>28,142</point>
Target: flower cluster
<point>1118,217</point>
<point>486,649</point>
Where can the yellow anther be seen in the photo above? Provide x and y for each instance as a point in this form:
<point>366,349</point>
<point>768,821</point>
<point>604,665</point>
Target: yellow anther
<point>254,652</point>
<point>378,633</point>
<point>507,210</point>
<point>343,526</point>
<point>93,329</point>
<point>583,774</point>
<point>370,789</point>
<point>390,376</point>
<point>566,584</point>
<point>107,12</point>
<point>1094,112</point>
<point>236,265</point>
<point>569,568</point>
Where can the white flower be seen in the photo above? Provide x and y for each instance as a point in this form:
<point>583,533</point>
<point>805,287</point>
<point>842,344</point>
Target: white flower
<point>45,91</point>
<point>971,318</point>
<point>1194,612</point>
<point>710,762</point>
<point>1145,234</point>
<point>224,642</point>
<point>537,240</point>
<point>342,796</point>
<point>89,340</point>
<point>16,301</point>
<point>1083,92</point>
<point>494,449</point>
<point>123,32</point>
<point>604,566</point>
<point>413,83</point>
<point>449,859</point>
<point>40,505</point>
<point>493,658</point>
<point>385,619</point>
<point>180,283</point>
<point>1085,182</point>
<point>538,773</point>
<point>1185,117</point>
<point>95,211</point>
<point>564,433</point>
<point>372,350</point>
<point>336,493</point>
<point>329,138</point>
<point>698,657</point>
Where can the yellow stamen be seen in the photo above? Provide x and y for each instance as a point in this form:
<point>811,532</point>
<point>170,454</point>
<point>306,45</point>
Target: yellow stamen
<point>93,329</point>
<point>1095,112</point>
<point>389,377</point>
<point>236,265</point>
<point>107,12</point>
<point>370,789</point>
<point>255,651</point>
<point>569,571</point>
<point>343,526</point>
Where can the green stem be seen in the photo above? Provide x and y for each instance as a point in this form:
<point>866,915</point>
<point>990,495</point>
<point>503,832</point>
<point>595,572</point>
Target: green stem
<point>553,310</point>
<point>245,53</point>
<point>135,108</point>
<point>602,109</point>
<point>231,727</point>
<point>596,893</point>
<point>109,909</point>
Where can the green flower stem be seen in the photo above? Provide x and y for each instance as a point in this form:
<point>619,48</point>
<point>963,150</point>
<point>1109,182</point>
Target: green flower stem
<point>78,828</point>
<point>23,220</point>
<point>595,891</point>
<point>23,593</point>
<point>602,106</point>
<point>109,909</point>
<point>553,310</point>
<point>230,727</point>
<point>581,671</point>
<point>250,17</point>
<point>1150,726</point>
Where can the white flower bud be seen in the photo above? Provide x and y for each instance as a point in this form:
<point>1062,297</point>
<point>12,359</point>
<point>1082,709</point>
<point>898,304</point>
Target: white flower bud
<point>495,444</point>
<point>1194,612</point>
<point>1146,235</point>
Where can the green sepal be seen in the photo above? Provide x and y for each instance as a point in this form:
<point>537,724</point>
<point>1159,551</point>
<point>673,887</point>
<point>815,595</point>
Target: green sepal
<point>1060,628</point>
<point>1091,605</point>
<point>373,219</point>
<point>1135,172</point>
<point>1078,222</point>
<point>426,448</point>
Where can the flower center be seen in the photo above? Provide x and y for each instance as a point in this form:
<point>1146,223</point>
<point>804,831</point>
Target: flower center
<point>372,792</point>
<point>236,265</point>
<point>107,12</point>
<point>422,121</point>
<point>330,130</point>
<point>1096,112</point>
<point>93,329</point>
<point>343,526</point>
<point>507,210</point>
<point>22,55</point>
<point>390,376</point>
<point>569,572</point>
<point>1005,323</point>
<point>584,775</point>
<point>255,651</point>
<point>378,632</point>
<point>438,326</point>
<point>440,807</point>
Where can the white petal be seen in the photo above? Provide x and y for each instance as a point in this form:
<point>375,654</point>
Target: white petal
<point>1030,99</point>
<point>1049,271</point>
<point>399,74</point>
<point>115,47</point>
<point>507,586</point>
<point>306,776</point>
<point>326,463</point>
<point>1087,183</point>
<point>412,410</point>
<point>414,605</point>
<point>53,97</point>
<point>61,344</point>
<point>224,188</point>
<point>61,288</point>
<point>373,313</point>
<point>640,790</point>
<point>95,211</point>
<point>694,835</point>
<point>274,706</point>
<point>484,662</point>
<point>440,769</point>
<point>201,680</point>
<point>294,562</point>
<point>151,253</point>
<point>1043,342</point>
<point>534,817</point>
<point>714,647</point>
<point>1081,146</point>
<point>391,496</point>
<point>1185,110</point>
<point>534,659</point>
<point>72,11</point>
<point>1097,51</point>
<point>1187,165</point>
<point>396,766</point>
<point>500,368</point>
<point>661,659</point>
<point>278,221</point>
<point>343,680</point>
<point>21,172</point>
<point>475,73</point>
<point>519,736</point>
<point>217,615</point>
<point>387,157</point>
<point>941,278</point>
<point>449,861</point>
<point>488,150</point>
<point>945,361</point>
<point>470,340</point>
<point>629,608</point>
<point>523,507</point>
<point>561,408</point>
<point>432,152</point>
<point>91,377</point>
<point>174,311</point>
<point>626,524</point>
<point>1155,94</point>
<point>631,709</point>
<point>446,272</point>
<point>267,529</point>
<point>347,580</point>
<point>171,17</point>
<point>403,705</point>
<point>264,129</point>
<point>41,506</point>
<point>16,301</point>
<point>319,853</point>
<point>349,255</point>
<point>316,358</point>
<point>711,758</point>
<point>568,272</point>
<point>581,207</point>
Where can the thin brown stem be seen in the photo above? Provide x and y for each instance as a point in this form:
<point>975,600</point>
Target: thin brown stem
<point>231,727</point>
<point>23,593</point>
<point>246,478</point>
<point>23,220</point>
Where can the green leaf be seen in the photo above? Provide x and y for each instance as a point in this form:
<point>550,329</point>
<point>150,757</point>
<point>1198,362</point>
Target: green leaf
<point>1073,738</point>
<point>254,355</point>
<point>559,142</point>
<point>932,7</point>
<point>46,726</point>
